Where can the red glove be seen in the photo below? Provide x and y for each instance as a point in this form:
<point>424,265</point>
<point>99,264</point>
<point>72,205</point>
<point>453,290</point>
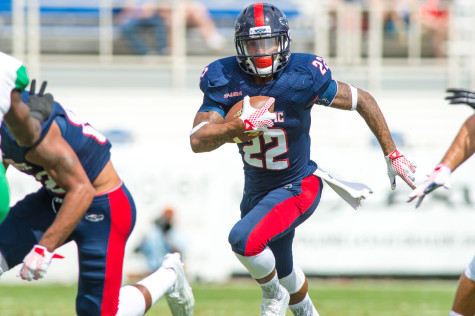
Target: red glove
<point>257,119</point>
<point>36,263</point>
<point>398,165</point>
<point>440,177</point>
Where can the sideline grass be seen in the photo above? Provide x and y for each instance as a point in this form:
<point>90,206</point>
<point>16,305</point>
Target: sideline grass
<point>242,298</point>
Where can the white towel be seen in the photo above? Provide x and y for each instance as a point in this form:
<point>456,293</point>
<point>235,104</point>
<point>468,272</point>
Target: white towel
<point>351,192</point>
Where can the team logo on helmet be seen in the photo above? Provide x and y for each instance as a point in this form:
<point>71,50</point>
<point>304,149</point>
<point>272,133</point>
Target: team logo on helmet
<point>260,30</point>
<point>283,20</point>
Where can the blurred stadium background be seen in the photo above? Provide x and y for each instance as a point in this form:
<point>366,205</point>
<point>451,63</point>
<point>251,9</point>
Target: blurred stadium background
<point>146,105</point>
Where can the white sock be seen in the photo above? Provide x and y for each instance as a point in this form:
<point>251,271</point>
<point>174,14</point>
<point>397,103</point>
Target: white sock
<point>272,289</point>
<point>452,313</point>
<point>3,264</point>
<point>294,281</point>
<point>304,308</point>
<point>131,302</point>
<point>159,282</point>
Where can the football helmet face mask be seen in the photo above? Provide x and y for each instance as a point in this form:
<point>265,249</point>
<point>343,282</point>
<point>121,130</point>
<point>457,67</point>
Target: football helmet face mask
<point>262,40</point>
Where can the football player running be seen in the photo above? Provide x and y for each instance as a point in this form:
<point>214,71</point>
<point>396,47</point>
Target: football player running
<point>23,120</point>
<point>82,199</point>
<point>462,148</point>
<point>280,190</point>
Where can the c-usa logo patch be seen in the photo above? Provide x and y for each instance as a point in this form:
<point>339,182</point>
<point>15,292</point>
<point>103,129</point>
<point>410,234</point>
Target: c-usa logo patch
<point>94,217</point>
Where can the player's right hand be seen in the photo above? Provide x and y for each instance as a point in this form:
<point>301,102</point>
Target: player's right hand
<point>36,263</point>
<point>41,105</point>
<point>257,119</point>
<point>439,177</point>
<point>399,165</point>
<point>460,96</point>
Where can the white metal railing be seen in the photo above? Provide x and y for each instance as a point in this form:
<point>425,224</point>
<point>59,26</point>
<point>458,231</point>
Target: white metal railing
<point>349,37</point>
<point>461,44</point>
<point>31,34</point>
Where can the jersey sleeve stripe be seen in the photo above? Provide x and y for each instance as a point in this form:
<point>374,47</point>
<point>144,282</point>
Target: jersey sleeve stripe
<point>21,78</point>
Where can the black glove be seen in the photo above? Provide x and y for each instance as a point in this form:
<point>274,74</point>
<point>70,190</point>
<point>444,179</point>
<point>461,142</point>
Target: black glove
<point>461,96</point>
<point>41,105</point>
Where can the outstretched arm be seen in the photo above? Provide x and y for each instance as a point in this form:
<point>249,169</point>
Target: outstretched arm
<point>369,110</point>
<point>462,148</point>
<point>348,98</point>
<point>463,145</point>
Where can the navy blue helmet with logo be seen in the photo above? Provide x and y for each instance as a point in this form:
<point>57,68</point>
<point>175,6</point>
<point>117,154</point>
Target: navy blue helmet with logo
<point>261,36</point>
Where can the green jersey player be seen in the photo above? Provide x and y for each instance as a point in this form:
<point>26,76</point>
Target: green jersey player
<point>23,120</point>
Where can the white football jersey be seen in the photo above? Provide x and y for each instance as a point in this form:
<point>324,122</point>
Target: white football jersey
<point>12,75</point>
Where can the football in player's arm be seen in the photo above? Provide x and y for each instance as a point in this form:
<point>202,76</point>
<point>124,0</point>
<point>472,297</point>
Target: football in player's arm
<point>281,190</point>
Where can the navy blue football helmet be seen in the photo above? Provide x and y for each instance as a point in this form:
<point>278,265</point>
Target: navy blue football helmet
<point>261,36</point>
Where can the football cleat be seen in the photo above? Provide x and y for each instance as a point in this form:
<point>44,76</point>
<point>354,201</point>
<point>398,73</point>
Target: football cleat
<point>180,297</point>
<point>273,307</point>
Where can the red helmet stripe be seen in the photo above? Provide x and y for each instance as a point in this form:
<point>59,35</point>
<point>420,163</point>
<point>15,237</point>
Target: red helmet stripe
<point>259,14</point>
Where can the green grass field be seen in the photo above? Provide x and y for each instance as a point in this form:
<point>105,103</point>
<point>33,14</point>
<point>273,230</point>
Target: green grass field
<point>242,297</point>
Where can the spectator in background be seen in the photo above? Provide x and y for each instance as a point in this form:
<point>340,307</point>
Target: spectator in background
<point>197,16</point>
<point>139,18</point>
<point>161,238</point>
<point>397,17</point>
<point>434,17</point>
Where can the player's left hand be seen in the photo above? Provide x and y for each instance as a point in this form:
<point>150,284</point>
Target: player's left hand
<point>398,165</point>
<point>36,263</point>
<point>256,119</point>
<point>460,96</point>
<point>440,177</point>
<point>41,104</point>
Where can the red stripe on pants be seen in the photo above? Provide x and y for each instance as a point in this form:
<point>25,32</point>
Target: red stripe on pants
<point>121,221</point>
<point>282,216</point>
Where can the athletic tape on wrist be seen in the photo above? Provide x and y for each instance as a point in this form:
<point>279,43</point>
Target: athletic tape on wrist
<point>354,97</point>
<point>197,127</point>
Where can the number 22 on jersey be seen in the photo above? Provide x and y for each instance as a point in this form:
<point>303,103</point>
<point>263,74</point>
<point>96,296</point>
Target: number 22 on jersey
<point>257,155</point>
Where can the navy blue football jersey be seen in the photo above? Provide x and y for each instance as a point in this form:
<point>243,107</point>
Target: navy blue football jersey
<point>282,154</point>
<point>91,147</point>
